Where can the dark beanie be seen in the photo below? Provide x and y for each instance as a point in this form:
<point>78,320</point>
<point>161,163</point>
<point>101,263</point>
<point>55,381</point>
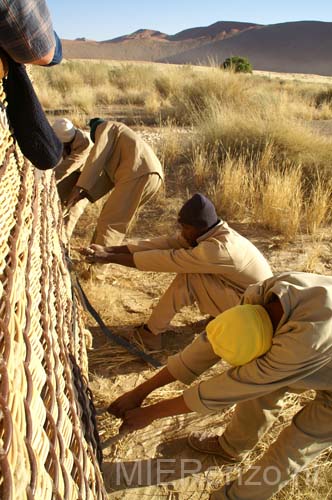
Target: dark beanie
<point>199,212</point>
<point>93,124</point>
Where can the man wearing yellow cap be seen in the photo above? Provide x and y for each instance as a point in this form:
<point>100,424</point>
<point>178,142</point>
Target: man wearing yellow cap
<point>279,339</point>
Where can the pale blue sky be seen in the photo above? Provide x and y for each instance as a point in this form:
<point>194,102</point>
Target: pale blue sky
<point>105,19</point>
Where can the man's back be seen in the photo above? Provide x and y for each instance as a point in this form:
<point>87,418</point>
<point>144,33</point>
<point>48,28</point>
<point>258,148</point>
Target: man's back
<point>239,261</point>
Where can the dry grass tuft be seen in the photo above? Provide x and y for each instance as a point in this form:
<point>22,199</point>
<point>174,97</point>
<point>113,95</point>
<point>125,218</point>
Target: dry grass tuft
<point>319,206</point>
<point>281,201</point>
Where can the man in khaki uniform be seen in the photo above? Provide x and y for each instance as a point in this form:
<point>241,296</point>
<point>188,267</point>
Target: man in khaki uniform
<point>214,265</point>
<point>124,165</point>
<point>76,148</point>
<point>298,327</point>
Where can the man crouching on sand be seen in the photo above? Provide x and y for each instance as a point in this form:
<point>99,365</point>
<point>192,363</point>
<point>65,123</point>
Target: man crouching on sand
<point>214,265</point>
<point>279,339</point>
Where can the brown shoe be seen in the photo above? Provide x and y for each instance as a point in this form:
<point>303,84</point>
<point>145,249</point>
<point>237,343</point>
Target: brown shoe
<point>210,445</point>
<point>142,336</point>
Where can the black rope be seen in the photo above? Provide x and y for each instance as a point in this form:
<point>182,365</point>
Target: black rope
<point>88,416</point>
<point>109,334</point>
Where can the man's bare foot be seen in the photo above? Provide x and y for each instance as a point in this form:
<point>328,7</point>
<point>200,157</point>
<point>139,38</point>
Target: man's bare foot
<point>144,338</point>
<point>142,335</point>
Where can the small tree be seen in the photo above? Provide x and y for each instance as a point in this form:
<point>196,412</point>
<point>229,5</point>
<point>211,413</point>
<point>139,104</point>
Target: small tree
<point>238,64</point>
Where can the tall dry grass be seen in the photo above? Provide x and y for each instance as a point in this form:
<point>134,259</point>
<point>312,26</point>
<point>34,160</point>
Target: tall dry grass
<point>254,147</point>
<point>281,201</point>
<point>263,189</point>
<point>319,207</point>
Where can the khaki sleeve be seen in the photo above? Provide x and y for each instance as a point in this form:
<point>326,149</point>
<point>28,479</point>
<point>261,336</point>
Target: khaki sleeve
<point>287,362</point>
<point>159,243</point>
<point>195,359</point>
<point>73,162</point>
<point>206,258</point>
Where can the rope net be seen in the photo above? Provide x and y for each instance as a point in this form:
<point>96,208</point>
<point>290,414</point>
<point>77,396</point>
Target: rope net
<point>49,446</point>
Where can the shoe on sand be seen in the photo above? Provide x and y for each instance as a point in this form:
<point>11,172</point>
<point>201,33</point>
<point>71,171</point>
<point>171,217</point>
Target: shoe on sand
<point>211,446</point>
<point>143,336</point>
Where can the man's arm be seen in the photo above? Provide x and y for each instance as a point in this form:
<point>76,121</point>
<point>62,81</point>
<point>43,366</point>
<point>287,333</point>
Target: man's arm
<point>104,255</point>
<point>134,398</point>
<point>134,417</point>
<point>158,243</point>
<point>76,159</point>
<point>118,249</point>
<point>183,260</point>
<point>287,363</point>
<point>206,258</point>
<point>138,418</point>
<point>74,197</point>
<point>185,366</point>
<point>45,60</point>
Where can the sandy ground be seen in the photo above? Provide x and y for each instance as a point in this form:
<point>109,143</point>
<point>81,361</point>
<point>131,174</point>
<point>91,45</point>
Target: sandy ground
<point>156,462</point>
<point>303,77</point>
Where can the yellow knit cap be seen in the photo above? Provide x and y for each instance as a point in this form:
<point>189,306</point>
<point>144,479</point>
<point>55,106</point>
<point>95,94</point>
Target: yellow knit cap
<point>241,334</point>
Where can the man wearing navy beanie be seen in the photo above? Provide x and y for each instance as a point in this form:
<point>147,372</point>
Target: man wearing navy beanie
<point>214,266</point>
<point>198,212</point>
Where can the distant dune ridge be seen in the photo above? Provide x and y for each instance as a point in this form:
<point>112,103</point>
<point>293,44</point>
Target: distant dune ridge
<point>298,47</point>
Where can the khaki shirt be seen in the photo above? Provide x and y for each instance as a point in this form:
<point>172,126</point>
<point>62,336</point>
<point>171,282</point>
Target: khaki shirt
<point>75,160</point>
<point>119,155</point>
<point>221,251</point>
<point>300,356</point>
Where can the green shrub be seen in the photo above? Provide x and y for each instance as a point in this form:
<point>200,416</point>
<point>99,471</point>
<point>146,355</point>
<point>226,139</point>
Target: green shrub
<point>238,64</point>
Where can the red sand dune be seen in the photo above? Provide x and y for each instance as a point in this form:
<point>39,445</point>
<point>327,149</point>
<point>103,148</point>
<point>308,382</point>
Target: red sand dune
<point>296,47</point>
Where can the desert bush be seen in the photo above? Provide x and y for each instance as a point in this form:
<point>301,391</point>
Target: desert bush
<point>170,81</point>
<point>234,190</point>
<point>261,188</point>
<point>133,97</point>
<point>324,97</point>
<point>49,98</point>
<point>173,145</point>
<point>319,205</point>
<point>83,99</point>
<point>132,76</point>
<point>106,94</point>
<point>280,206</point>
<point>193,97</point>
<point>202,165</point>
<point>249,128</point>
<point>65,79</point>
<point>238,64</point>
<point>152,103</point>
<point>79,119</point>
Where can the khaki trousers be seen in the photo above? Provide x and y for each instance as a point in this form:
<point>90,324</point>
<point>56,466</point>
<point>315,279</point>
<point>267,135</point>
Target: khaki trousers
<point>121,207</point>
<point>208,291</point>
<point>64,189</point>
<point>309,433</point>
